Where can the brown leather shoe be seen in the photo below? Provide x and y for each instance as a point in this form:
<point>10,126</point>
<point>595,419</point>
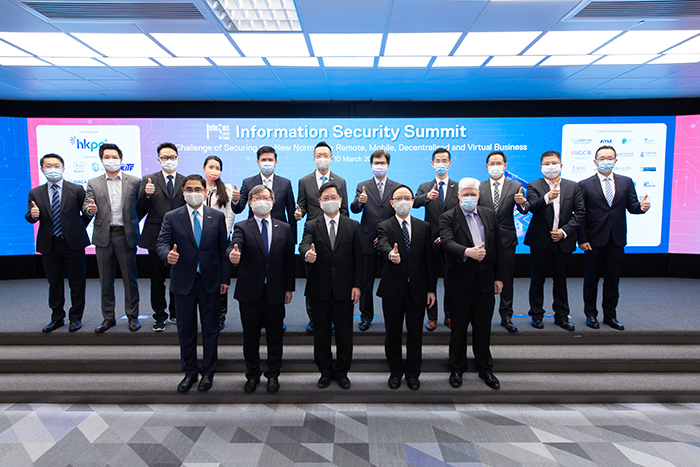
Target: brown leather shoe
<point>134,324</point>
<point>106,324</point>
<point>431,325</point>
<point>448,323</point>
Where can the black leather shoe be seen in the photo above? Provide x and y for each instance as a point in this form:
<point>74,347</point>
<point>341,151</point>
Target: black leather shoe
<point>565,325</point>
<point>251,384</point>
<point>394,382</point>
<point>344,382</point>
<point>106,324</point>
<point>323,382</point>
<point>52,326</point>
<point>186,383</point>
<point>592,322</point>
<point>508,324</point>
<point>364,325</point>
<point>455,379</point>
<point>490,379</point>
<point>413,384</point>
<point>273,385</point>
<point>75,326</point>
<point>615,324</point>
<point>134,325</point>
<point>205,384</point>
<point>310,327</point>
<point>537,323</point>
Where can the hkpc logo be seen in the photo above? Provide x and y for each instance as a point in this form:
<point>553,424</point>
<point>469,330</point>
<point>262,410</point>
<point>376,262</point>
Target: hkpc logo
<point>85,144</point>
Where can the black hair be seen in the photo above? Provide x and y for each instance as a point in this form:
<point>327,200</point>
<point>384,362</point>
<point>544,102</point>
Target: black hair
<point>550,153</point>
<point>51,156</point>
<point>440,151</point>
<point>267,150</point>
<point>106,146</point>
<point>606,147</point>
<point>221,195</point>
<point>195,177</point>
<point>323,144</point>
<point>379,153</point>
<point>496,153</point>
<point>166,145</point>
<point>399,187</point>
<point>327,186</point>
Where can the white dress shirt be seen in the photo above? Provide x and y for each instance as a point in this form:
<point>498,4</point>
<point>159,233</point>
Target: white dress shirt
<point>200,216</point>
<point>500,187</point>
<point>114,188</point>
<point>328,223</point>
<point>408,225</point>
<point>259,219</point>
<point>49,186</point>
<point>319,182</point>
<point>602,178</point>
<point>267,181</point>
<point>556,204</point>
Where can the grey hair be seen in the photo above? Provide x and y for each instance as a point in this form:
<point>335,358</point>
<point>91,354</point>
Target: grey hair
<point>257,189</point>
<point>468,183</point>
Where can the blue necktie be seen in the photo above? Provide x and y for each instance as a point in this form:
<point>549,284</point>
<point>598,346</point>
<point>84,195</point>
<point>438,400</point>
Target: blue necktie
<point>608,192</point>
<point>442,193</point>
<point>264,235</point>
<point>56,211</point>
<point>323,179</point>
<point>170,189</point>
<point>406,237</point>
<point>197,228</point>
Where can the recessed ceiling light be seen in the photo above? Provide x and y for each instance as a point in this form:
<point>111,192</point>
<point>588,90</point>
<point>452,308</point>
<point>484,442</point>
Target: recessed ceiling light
<point>183,61</point>
<point>346,45</point>
<point>128,62</point>
<point>197,45</point>
<point>122,45</point>
<point>670,59</point>
<point>624,59</point>
<point>256,15</point>
<point>645,42</point>
<point>348,62</point>
<point>515,60</point>
<point>293,61</point>
<point>404,62</point>
<point>459,62</point>
<point>420,43</point>
<point>570,42</point>
<point>48,44</point>
<point>570,60</point>
<point>691,46</point>
<point>238,61</point>
<point>22,61</point>
<point>272,45</point>
<point>496,43</point>
<point>71,62</point>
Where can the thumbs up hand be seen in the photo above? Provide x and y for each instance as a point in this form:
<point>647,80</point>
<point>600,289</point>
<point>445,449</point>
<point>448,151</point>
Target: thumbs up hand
<point>235,255</point>
<point>34,211</point>
<point>311,254</point>
<point>150,188</point>
<point>173,256</point>
<point>645,204</point>
<point>394,255</point>
<point>476,252</point>
<point>235,195</point>
<point>297,213</point>
<point>92,208</point>
<point>363,196</point>
<point>554,192</point>
<point>433,193</point>
<point>519,197</point>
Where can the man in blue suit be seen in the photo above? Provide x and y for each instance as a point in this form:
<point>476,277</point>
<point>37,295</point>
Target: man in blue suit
<point>193,241</point>
<point>603,234</point>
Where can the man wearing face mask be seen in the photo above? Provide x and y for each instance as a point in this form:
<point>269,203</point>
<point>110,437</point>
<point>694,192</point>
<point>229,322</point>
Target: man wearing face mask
<point>603,235</point>
<point>372,198</point>
<point>159,193</point>
<point>438,195</point>
<point>61,240</point>
<point>192,242</point>
<point>557,210</point>
<point>263,251</point>
<point>503,195</point>
<point>308,204</point>
<point>332,249</point>
<point>407,286</point>
<point>111,199</point>
<point>471,239</point>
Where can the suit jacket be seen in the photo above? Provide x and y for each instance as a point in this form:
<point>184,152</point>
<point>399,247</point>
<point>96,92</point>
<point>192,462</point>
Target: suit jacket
<point>284,206</point>
<point>254,267</point>
<point>373,211</point>
<point>571,213</point>
<point>504,215</point>
<point>601,220</point>
<point>471,276</point>
<point>210,254</point>
<point>433,210</point>
<point>97,191</point>
<point>416,271</point>
<point>336,270</point>
<point>308,195</point>
<point>157,205</point>
<point>73,221</point>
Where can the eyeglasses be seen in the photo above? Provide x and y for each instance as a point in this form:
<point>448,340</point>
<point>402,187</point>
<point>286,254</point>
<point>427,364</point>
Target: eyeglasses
<point>496,163</point>
<point>167,158</point>
<point>330,198</point>
<point>403,198</point>
<point>261,198</point>
<point>189,189</point>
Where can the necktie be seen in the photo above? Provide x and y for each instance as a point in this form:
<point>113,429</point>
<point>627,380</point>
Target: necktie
<point>56,211</point>
<point>266,182</point>
<point>496,195</point>
<point>332,234</point>
<point>170,189</point>
<point>608,192</point>
<point>441,191</point>
<point>474,229</point>
<point>406,237</point>
<point>264,235</point>
<point>323,179</point>
<point>380,187</point>
<point>197,228</point>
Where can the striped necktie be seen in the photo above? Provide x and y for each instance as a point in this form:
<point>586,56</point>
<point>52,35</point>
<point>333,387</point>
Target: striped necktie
<point>608,191</point>
<point>56,211</point>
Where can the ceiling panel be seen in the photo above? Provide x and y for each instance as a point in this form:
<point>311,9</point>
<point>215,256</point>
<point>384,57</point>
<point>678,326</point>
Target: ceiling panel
<point>434,15</point>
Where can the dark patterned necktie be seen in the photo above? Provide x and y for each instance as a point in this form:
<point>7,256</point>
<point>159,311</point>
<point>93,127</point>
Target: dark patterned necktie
<point>56,212</point>
<point>406,237</point>
<point>496,196</point>
<point>441,191</point>
<point>264,236</point>
<point>332,234</point>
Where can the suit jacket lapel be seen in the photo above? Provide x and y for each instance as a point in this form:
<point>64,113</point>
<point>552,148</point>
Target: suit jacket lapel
<point>102,183</point>
<point>257,234</point>
<point>398,231</point>
<point>549,211</point>
<point>162,184</point>
<point>207,223</point>
<point>44,199</point>
<point>487,196</point>
<point>463,223</point>
<point>372,188</point>
<point>125,190</point>
<point>187,226</point>
<point>324,231</point>
<point>619,192</point>
<point>451,187</point>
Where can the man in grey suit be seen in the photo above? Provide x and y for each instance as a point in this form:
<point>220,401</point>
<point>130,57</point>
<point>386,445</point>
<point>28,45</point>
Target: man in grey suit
<point>503,195</point>
<point>111,198</point>
<point>307,203</point>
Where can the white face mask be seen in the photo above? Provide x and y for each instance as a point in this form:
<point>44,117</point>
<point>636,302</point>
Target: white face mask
<point>261,208</point>
<point>322,163</point>
<point>169,166</point>
<point>551,171</point>
<point>267,167</point>
<point>330,207</point>
<point>194,199</point>
<point>112,165</point>
<point>495,171</point>
<point>403,207</point>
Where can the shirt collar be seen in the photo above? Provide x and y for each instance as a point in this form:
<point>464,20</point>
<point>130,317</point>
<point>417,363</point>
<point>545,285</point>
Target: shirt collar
<point>118,177</point>
<point>200,210</point>
<point>408,219</point>
<point>59,183</point>
<point>500,180</point>
<point>166,174</point>
<point>438,181</point>
<point>603,177</point>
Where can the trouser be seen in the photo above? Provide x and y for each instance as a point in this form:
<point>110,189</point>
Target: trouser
<point>62,262</point>
<point>505,308</point>
<point>367,292</point>
<point>605,262</point>
<point>326,313</point>
<point>159,272</point>
<point>475,309</point>
<point>254,317</point>
<point>439,262</point>
<point>394,314</point>
<point>542,261</point>
<point>118,251</point>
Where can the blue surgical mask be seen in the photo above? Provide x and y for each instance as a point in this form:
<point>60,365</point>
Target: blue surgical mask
<point>53,174</point>
<point>440,169</point>
<point>468,202</point>
<point>267,167</point>
<point>606,166</point>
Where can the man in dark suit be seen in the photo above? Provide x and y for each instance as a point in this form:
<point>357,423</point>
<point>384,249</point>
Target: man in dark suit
<point>471,239</point>
<point>557,210</point>
<point>111,198</point>
<point>263,249</point>
<point>193,241</point>
<point>438,195</point>
<point>61,240</point>
<point>332,247</point>
<point>159,193</point>
<point>603,234</point>
<point>407,285</point>
<point>372,199</point>
<point>503,195</point>
<point>308,203</point>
